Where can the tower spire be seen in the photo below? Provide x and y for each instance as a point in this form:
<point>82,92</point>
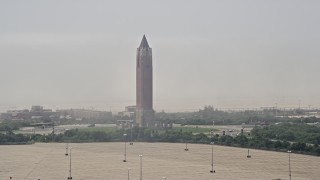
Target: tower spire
<point>144,42</point>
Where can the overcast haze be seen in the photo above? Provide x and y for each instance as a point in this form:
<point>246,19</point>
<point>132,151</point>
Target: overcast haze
<point>229,54</point>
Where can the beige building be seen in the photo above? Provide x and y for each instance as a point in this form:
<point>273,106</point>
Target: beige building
<point>130,111</point>
<point>84,114</point>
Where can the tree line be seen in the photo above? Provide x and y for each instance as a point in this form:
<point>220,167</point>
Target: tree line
<point>275,137</point>
<point>209,114</point>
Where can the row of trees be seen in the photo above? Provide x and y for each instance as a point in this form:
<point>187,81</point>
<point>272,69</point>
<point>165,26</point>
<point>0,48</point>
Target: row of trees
<point>258,139</point>
<point>10,138</point>
<point>9,126</point>
<point>289,132</point>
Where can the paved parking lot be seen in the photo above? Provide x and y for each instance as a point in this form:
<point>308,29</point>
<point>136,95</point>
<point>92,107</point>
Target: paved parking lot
<point>101,161</point>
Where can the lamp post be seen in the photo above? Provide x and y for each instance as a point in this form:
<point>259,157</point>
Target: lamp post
<point>131,143</point>
<point>125,147</point>
<point>140,166</point>
<point>129,173</point>
<point>289,165</point>
<point>67,147</point>
<point>212,129</point>
<point>212,143</point>
<point>53,133</point>
<point>248,155</point>
<point>70,177</point>
<point>212,171</point>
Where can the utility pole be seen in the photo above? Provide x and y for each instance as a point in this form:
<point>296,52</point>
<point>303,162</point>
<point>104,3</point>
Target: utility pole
<point>289,165</point>
<point>70,177</point>
<point>125,147</point>
<point>140,166</point>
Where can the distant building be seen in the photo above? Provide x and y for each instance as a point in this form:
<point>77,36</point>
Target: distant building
<point>16,115</point>
<point>124,124</point>
<point>84,114</point>
<point>130,111</point>
<point>36,109</point>
<point>36,112</point>
<point>144,109</point>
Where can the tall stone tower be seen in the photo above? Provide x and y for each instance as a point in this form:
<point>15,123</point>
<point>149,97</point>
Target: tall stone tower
<point>144,110</point>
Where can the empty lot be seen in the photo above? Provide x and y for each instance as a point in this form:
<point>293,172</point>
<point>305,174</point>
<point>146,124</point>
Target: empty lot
<point>101,161</point>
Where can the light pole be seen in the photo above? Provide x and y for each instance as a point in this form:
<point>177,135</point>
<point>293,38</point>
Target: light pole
<point>131,143</point>
<point>212,171</point>
<point>125,147</point>
<point>70,177</point>
<point>129,173</point>
<point>212,129</point>
<point>140,166</point>
<point>212,132</point>
<point>67,147</point>
<point>212,143</point>
<point>53,133</point>
<point>289,165</point>
<point>248,155</point>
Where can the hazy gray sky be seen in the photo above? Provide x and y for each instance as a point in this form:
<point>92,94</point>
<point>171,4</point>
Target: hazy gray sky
<point>247,53</point>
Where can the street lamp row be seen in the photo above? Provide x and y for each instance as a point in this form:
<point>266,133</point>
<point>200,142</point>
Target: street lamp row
<point>186,149</point>
<point>211,171</point>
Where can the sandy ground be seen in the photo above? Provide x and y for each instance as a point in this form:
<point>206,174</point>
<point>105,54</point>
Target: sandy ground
<point>103,161</point>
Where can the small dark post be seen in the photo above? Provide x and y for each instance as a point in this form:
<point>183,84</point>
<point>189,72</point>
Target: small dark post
<point>186,149</point>
<point>248,156</point>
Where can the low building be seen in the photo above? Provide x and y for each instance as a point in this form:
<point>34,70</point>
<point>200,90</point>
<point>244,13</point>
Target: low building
<point>25,114</point>
<point>80,114</point>
<point>130,111</point>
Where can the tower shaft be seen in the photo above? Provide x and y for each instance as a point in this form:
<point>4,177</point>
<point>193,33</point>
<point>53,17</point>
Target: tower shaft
<point>144,100</point>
